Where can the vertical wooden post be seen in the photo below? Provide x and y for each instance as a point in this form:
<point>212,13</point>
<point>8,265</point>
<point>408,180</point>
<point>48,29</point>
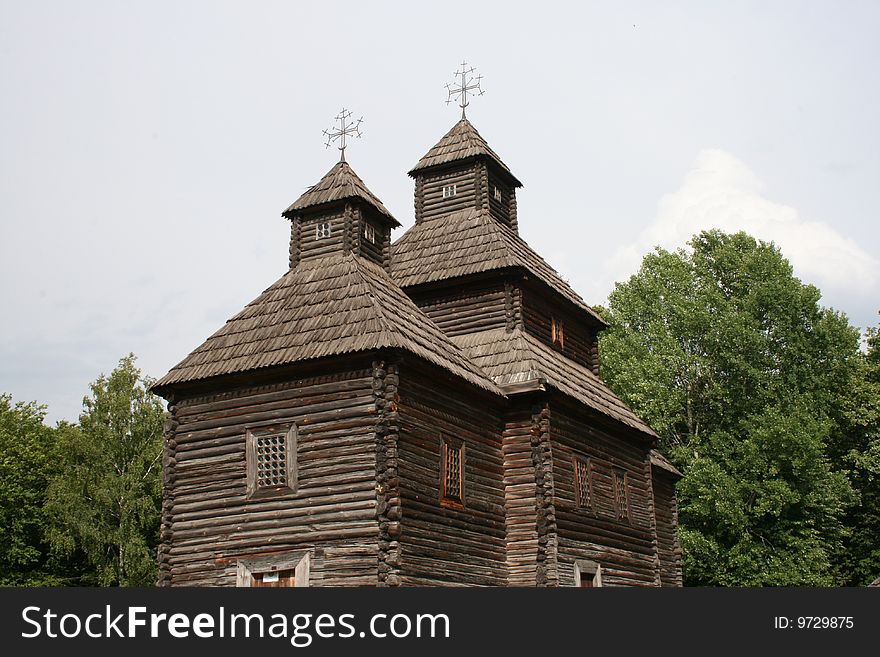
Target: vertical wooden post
<point>169,464</point>
<point>388,507</point>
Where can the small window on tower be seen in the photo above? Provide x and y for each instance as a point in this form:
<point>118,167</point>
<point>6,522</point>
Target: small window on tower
<point>370,233</point>
<point>557,331</point>
<point>497,193</point>
<point>322,230</point>
<point>448,190</point>
<point>451,470</point>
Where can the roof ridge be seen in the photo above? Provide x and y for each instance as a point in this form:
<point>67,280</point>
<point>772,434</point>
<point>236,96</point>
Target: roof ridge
<point>383,320</point>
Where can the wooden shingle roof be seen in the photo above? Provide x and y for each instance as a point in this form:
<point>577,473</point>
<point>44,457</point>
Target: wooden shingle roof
<point>516,357</point>
<point>324,307</point>
<point>339,184</point>
<point>469,242</point>
<point>460,143</point>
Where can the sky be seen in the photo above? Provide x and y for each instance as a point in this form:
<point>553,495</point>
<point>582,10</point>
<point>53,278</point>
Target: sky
<point>147,149</point>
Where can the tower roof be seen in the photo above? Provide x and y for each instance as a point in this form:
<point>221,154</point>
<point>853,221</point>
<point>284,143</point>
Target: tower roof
<point>469,242</point>
<point>460,143</point>
<point>339,184</point>
<point>329,306</point>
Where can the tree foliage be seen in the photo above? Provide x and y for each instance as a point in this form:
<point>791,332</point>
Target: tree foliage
<point>744,376</point>
<point>106,499</point>
<point>26,448</point>
<point>860,556</point>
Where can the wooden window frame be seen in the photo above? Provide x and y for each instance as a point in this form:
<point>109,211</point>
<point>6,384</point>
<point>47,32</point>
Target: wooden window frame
<point>450,498</point>
<point>497,193</point>
<point>322,230</point>
<point>584,462</point>
<point>252,434</point>
<point>557,332</point>
<point>370,233</point>
<point>451,188</point>
<point>621,494</point>
<point>299,562</point>
<point>591,569</point>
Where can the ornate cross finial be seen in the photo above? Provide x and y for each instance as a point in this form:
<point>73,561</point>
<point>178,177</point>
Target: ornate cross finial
<point>345,129</point>
<point>464,83</point>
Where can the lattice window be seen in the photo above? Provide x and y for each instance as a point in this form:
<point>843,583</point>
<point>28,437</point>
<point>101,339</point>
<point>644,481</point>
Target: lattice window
<point>448,190</point>
<point>322,230</point>
<point>583,482</point>
<point>451,471</point>
<point>370,233</point>
<point>557,332</point>
<point>271,459</point>
<point>621,494</point>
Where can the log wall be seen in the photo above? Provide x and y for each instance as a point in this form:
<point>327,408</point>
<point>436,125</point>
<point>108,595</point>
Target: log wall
<point>580,343</point>
<point>208,522</point>
<point>377,251</point>
<point>519,498</point>
<point>625,549</point>
<point>469,307</point>
<point>442,545</point>
<point>500,208</point>
<point>309,246</point>
<point>669,551</point>
<point>468,193</point>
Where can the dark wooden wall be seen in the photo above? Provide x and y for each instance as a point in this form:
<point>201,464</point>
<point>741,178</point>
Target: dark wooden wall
<point>208,522</point>
<point>625,549</point>
<point>580,344</point>
<point>377,251</point>
<point>500,209</point>
<point>519,497</point>
<point>441,545</point>
<point>309,247</point>
<point>668,548</point>
<point>467,193</point>
<point>468,306</point>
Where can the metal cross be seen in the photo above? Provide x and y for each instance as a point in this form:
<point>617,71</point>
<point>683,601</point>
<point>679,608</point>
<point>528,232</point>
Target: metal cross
<point>345,129</point>
<point>460,91</point>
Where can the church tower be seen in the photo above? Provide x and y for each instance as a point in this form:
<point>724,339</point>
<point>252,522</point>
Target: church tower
<point>461,172</point>
<point>339,214</point>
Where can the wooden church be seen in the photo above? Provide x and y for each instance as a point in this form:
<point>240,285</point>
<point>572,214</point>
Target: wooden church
<point>422,412</point>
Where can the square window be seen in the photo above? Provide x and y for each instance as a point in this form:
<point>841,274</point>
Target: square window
<point>451,470</point>
<point>322,230</point>
<point>448,190</point>
<point>370,233</point>
<point>583,482</point>
<point>271,460</point>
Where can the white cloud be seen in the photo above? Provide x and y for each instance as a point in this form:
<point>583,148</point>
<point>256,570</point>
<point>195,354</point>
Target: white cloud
<point>721,192</point>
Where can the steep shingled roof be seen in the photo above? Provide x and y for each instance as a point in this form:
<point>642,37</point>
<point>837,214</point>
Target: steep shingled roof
<point>469,242</point>
<point>324,307</point>
<point>512,357</point>
<point>340,183</point>
<point>461,142</point>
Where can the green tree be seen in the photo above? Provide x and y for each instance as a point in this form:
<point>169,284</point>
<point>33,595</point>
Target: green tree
<point>26,447</point>
<point>106,498</point>
<point>741,372</point>
<point>860,557</point>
